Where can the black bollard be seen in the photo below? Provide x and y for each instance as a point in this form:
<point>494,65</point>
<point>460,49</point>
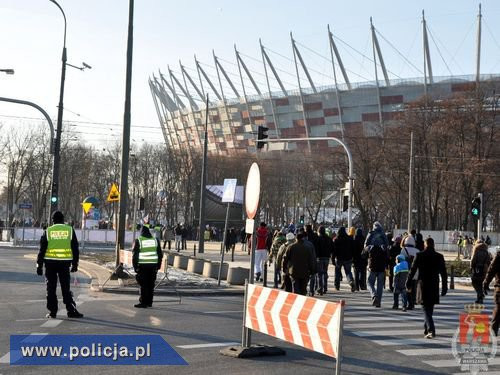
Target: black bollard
<point>265,274</point>
<point>232,253</point>
<point>452,277</point>
<point>194,250</point>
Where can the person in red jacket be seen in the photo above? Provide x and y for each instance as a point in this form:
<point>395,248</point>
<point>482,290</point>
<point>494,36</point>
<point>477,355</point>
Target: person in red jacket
<point>260,250</point>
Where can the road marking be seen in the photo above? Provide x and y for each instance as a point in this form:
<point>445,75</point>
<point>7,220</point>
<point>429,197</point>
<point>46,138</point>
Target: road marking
<point>35,300</point>
<point>210,345</point>
<point>30,320</point>
<point>51,323</point>
<point>5,358</point>
<point>411,318</point>
<point>431,351</point>
<point>402,342</point>
<point>383,325</point>
<point>400,333</point>
<point>224,312</point>
<point>155,321</point>
<point>123,311</point>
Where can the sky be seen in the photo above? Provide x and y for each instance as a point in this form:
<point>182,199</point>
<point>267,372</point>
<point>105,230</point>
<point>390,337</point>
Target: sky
<point>31,37</point>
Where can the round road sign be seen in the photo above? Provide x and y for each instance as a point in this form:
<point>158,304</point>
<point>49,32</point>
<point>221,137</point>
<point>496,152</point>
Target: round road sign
<point>252,191</point>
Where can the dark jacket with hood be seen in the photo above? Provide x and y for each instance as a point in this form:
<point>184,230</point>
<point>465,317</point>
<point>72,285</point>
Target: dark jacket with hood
<point>324,244</point>
<point>343,246</point>
<point>377,236</point>
<point>359,242</point>
<point>480,261</point>
<point>137,246</point>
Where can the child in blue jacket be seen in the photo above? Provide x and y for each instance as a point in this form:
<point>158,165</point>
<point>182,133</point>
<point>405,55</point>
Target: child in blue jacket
<point>400,276</point>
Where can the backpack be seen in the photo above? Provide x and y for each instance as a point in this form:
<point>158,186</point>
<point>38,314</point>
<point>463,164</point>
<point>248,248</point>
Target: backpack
<point>409,258</point>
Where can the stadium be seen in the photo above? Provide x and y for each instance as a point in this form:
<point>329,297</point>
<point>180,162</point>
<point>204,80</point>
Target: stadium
<point>342,109</point>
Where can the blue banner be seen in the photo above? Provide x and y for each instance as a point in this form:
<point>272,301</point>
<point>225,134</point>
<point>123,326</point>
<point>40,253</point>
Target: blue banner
<point>79,350</point>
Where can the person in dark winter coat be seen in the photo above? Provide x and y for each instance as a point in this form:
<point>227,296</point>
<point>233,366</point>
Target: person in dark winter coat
<point>146,260</point>
<point>430,265</point>
<point>479,264</point>
<point>376,249</point>
<point>299,263</point>
<point>324,250</point>
<point>343,246</point>
<point>359,262</point>
<point>394,251</point>
<point>494,272</point>
<point>377,236</point>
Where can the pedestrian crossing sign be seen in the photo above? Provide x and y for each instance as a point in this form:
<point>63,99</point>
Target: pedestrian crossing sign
<point>114,194</point>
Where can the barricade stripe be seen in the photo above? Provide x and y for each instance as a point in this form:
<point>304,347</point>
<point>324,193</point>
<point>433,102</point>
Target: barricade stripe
<point>275,314</point>
<point>253,295</point>
<point>312,324</point>
<point>293,319</point>
<point>302,322</point>
<point>284,312</point>
<point>259,310</point>
<point>267,312</point>
<point>326,318</point>
<point>333,329</point>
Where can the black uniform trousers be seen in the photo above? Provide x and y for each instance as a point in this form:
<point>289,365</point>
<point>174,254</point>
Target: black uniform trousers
<point>58,269</point>
<point>146,277</point>
<point>495,317</point>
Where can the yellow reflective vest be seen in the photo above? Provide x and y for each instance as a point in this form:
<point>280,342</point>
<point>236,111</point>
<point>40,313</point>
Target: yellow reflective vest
<point>59,242</point>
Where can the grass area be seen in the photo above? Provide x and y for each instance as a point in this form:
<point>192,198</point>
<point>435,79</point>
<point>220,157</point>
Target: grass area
<point>98,258</point>
<point>460,268</point>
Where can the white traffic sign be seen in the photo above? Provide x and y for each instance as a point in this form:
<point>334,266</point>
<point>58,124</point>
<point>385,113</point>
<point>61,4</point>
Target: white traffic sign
<point>252,191</point>
<point>229,190</point>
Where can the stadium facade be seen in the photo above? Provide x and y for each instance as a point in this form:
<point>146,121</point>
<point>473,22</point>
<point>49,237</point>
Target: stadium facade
<point>341,110</point>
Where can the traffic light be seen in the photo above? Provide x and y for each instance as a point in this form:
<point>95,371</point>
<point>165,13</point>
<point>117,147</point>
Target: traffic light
<point>476,207</point>
<point>141,204</point>
<point>345,203</point>
<point>53,199</point>
<point>301,220</point>
<point>261,134</point>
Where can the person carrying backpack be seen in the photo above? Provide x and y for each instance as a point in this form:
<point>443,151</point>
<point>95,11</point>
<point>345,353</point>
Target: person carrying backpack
<point>409,251</point>
<point>375,250</point>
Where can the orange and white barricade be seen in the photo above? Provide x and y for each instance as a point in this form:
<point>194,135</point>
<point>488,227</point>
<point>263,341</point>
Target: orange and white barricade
<point>305,321</point>
<point>126,257</point>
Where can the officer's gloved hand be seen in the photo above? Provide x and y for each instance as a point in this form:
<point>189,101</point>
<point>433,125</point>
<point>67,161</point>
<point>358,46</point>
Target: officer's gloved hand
<point>74,268</point>
<point>39,271</point>
<point>486,288</point>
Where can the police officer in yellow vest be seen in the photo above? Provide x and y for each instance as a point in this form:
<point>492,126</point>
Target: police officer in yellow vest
<point>146,259</point>
<point>59,252</point>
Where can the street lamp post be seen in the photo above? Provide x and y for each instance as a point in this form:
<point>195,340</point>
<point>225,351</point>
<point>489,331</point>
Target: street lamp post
<point>54,197</point>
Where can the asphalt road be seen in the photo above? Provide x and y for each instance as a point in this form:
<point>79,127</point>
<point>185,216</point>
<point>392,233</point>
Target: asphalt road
<point>199,327</point>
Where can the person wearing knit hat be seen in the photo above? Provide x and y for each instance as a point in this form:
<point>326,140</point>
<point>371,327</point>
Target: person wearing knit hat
<point>409,251</point>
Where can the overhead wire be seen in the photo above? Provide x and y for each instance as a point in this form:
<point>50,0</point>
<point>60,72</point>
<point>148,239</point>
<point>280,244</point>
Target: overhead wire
<point>439,51</point>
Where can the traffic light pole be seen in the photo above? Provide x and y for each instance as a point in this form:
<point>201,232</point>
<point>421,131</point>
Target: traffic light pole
<point>349,157</point>
<point>480,217</point>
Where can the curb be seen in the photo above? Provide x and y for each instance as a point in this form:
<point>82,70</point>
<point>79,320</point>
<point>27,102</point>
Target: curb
<point>177,292</point>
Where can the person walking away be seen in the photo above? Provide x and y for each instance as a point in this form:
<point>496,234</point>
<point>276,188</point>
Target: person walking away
<point>260,250</point>
<point>298,262</point>
<point>400,276</point>
<point>146,260</point>
<point>324,251</point>
<point>178,237</point>
<point>494,272</point>
<point>377,263</point>
<point>184,235</point>
<point>466,247</point>
<point>60,254</point>
<point>409,251</point>
<point>419,241</point>
<point>310,243</point>
<point>359,262</point>
<point>394,251</point>
<point>287,281</point>
<point>278,241</point>
<point>479,264</point>
<point>342,253</point>
<point>167,235</point>
<point>430,265</point>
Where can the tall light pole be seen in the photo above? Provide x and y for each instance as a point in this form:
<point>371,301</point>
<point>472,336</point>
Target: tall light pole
<point>54,196</point>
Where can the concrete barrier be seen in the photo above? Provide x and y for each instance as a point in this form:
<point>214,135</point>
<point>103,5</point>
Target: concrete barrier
<point>170,258</point>
<point>181,261</point>
<point>195,265</point>
<point>237,275</point>
<point>211,269</point>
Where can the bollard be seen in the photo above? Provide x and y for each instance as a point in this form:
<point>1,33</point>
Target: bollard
<point>194,249</point>
<point>232,253</point>
<point>265,274</point>
<point>452,277</point>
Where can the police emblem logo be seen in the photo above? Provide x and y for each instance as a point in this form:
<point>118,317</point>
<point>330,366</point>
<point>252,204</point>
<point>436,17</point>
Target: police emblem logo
<point>474,344</point>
